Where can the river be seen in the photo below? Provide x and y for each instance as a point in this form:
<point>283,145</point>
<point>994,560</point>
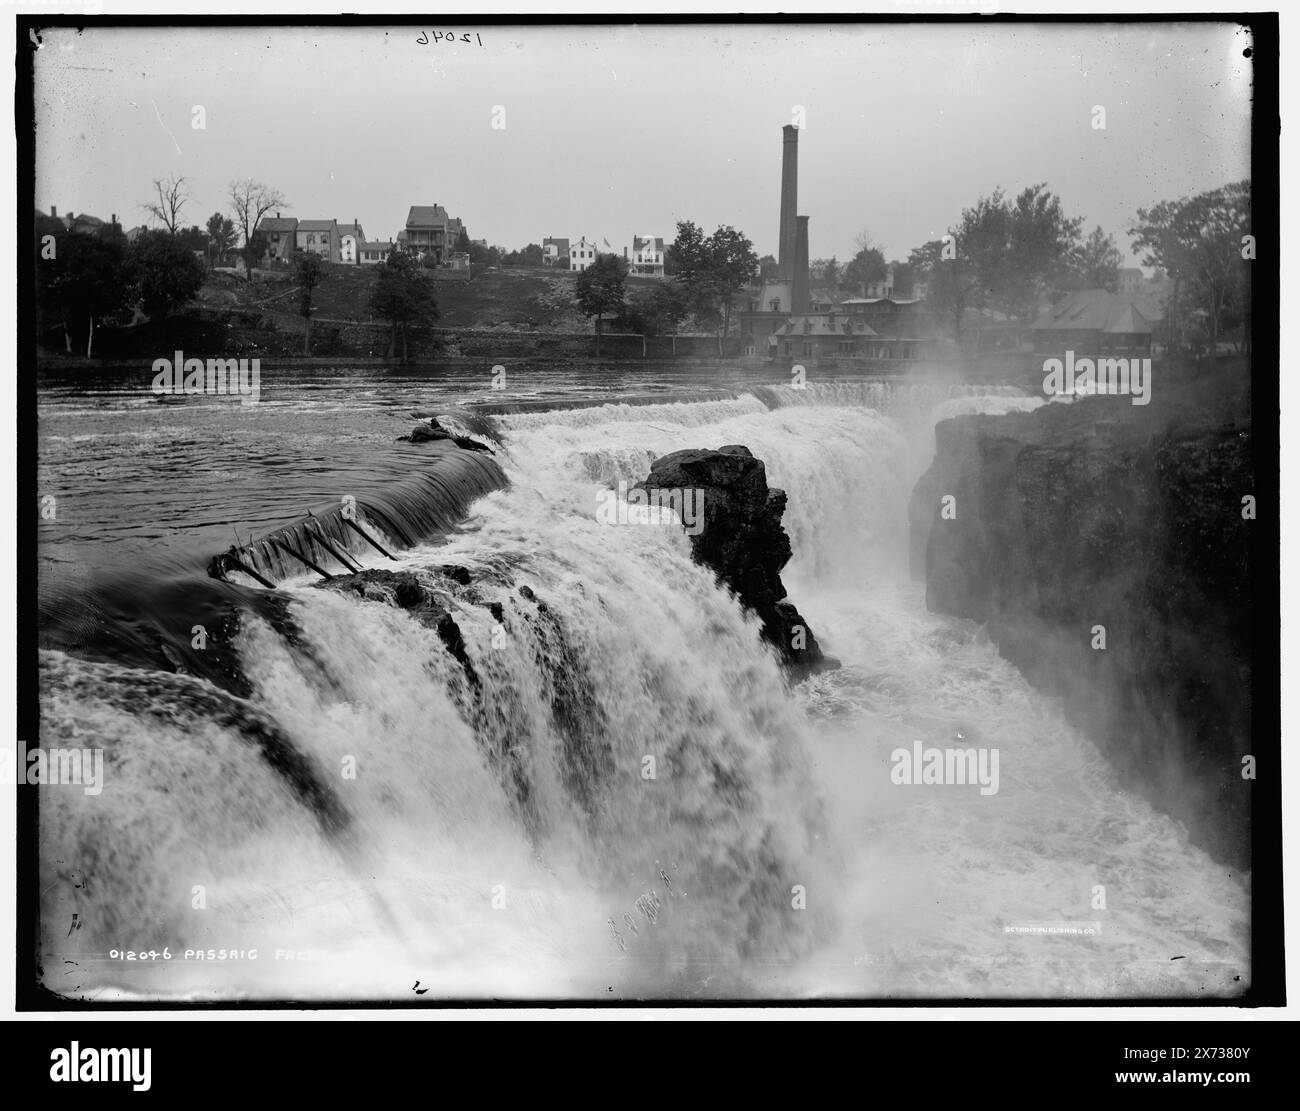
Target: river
<point>524,851</point>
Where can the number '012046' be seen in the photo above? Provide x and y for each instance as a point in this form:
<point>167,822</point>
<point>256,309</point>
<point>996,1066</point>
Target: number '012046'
<point>450,36</point>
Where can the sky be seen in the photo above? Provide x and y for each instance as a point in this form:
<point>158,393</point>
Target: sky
<point>615,130</point>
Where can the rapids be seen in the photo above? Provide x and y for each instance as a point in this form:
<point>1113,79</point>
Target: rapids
<point>620,797</point>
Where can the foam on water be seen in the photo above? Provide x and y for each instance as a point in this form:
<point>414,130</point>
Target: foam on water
<point>499,813</point>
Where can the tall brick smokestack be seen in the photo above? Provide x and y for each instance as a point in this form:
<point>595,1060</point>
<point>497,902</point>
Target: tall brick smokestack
<point>802,297</point>
<point>789,201</point>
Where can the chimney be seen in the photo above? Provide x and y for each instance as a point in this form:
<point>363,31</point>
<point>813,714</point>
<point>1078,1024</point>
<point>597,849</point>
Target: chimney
<point>54,212</point>
<point>802,300</point>
<point>789,202</point>
<point>113,218</point>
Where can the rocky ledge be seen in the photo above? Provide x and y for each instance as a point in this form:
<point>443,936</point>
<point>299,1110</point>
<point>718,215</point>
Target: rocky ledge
<point>743,541</point>
<point>1108,548</point>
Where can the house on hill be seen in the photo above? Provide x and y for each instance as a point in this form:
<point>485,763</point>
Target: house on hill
<point>321,237</point>
<point>648,255</point>
<point>85,224</point>
<point>374,253</point>
<point>281,237</point>
<point>582,254</point>
<point>429,230</point>
<point>553,250</point>
<point>350,239</point>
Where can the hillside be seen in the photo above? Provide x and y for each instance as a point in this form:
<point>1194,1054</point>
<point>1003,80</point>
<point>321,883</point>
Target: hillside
<point>505,299</point>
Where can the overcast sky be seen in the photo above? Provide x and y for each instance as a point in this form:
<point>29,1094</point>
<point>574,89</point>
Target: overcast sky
<point>615,131</point>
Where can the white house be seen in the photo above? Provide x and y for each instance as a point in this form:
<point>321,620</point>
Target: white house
<point>648,255</point>
<point>373,253</point>
<point>581,254</point>
<point>350,239</point>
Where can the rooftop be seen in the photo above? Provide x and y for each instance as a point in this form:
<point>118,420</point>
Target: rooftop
<point>426,216</point>
<point>1099,310</point>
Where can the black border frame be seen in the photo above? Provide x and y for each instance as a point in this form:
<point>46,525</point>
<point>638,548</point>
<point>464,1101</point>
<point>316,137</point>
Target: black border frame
<point>1267,955</point>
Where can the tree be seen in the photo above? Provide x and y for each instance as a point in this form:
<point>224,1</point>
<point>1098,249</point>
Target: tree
<point>164,272</point>
<point>1198,242</point>
<point>664,311</point>
<point>767,268</point>
<point>1002,255</point>
<point>952,281</point>
<point>1097,261</point>
<point>308,273</point>
<point>463,243</point>
<point>172,194</point>
<point>831,273</point>
<point>221,236</point>
<point>481,256</point>
<point>193,237</point>
<point>656,314</point>
<point>403,295</point>
<point>711,270</point>
<point>249,201</point>
<point>600,289</point>
<point>867,266</point>
<point>531,255</point>
<point>84,279</point>
<point>1041,251</point>
<point>904,279</point>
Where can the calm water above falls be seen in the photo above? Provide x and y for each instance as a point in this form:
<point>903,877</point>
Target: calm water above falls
<point>451,876</point>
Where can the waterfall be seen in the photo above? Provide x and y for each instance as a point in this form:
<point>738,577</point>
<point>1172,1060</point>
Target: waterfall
<point>548,757</point>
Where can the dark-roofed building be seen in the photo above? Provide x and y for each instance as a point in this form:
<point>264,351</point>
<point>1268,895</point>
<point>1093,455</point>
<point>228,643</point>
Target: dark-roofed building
<point>553,250</point>
<point>819,335</point>
<point>429,230</point>
<point>85,224</point>
<point>280,232</point>
<point>1096,322</point>
<point>321,237</point>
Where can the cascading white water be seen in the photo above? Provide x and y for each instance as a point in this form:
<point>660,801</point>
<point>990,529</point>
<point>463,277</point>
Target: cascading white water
<point>627,751</point>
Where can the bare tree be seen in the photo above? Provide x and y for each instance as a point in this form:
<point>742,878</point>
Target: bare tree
<point>863,241</point>
<point>249,201</point>
<point>172,195</point>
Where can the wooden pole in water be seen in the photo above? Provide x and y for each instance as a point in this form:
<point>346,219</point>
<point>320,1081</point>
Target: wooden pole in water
<point>368,538</point>
<point>320,539</point>
<point>239,565</point>
<point>299,556</point>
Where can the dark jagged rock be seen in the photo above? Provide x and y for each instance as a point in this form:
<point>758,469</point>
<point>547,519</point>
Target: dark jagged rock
<point>743,541</point>
<point>423,433</point>
<point>1098,513</point>
<point>405,591</point>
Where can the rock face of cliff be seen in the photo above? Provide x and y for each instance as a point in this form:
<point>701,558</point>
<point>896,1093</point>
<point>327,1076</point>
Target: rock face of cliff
<point>743,541</point>
<point>1108,549</point>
